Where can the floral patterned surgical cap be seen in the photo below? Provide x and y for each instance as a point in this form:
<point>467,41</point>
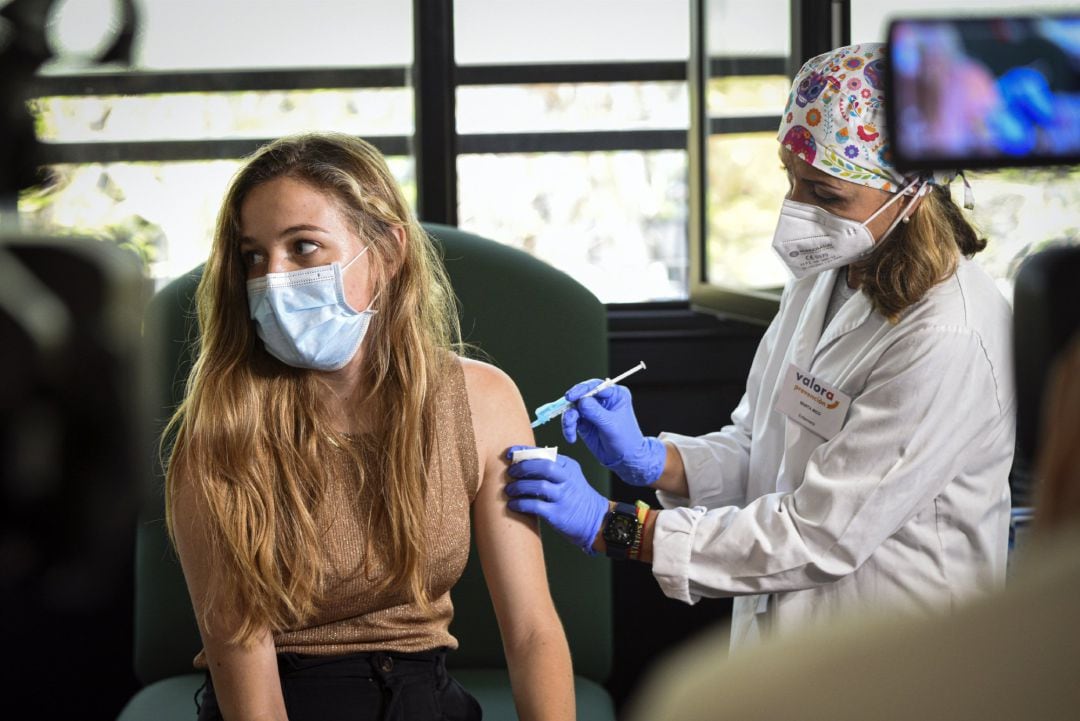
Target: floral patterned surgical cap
<point>835,116</point>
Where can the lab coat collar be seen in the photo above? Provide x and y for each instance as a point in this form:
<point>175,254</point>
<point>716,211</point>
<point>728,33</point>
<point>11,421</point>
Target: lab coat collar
<point>812,317</point>
<point>811,335</point>
<point>851,316</point>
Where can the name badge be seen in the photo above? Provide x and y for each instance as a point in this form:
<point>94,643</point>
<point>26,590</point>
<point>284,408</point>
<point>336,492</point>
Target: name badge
<point>812,403</point>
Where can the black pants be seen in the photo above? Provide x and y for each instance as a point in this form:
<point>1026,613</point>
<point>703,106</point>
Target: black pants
<point>377,686</point>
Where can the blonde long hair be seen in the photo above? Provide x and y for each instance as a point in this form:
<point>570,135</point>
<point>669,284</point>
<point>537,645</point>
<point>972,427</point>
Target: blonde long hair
<point>917,255</point>
<point>252,436</point>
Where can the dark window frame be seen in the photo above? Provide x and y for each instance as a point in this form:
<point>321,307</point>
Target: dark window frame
<point>140,83</point>
<point>435,142</point>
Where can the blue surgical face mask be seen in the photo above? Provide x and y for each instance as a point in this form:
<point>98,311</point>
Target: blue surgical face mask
<point>303,318</point>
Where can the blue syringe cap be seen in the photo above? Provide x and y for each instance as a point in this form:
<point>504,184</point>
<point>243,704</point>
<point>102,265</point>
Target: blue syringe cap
<point>550,410</point>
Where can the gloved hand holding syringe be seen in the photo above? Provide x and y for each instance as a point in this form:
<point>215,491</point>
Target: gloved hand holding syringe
<point>556,408</point>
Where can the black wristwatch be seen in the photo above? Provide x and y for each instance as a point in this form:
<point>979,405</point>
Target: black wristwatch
<point>620,529</point>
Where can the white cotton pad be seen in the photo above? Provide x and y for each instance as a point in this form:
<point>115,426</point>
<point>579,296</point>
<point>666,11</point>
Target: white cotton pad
<point>548,453</point>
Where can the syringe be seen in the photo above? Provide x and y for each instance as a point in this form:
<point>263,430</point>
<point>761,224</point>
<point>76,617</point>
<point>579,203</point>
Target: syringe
<point>556,408</point>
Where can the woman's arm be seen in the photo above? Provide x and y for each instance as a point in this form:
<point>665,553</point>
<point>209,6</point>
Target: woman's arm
<point>246,681</point>
<point>512,557</point>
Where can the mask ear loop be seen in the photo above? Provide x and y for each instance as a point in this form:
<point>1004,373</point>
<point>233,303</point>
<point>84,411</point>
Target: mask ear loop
<point>344,267</point>
<point>903,215</point>
<point>900,193</point>
<point>923,190</point>
<point>364,250</point>
<point>375,297</point>
<point>369,305</point>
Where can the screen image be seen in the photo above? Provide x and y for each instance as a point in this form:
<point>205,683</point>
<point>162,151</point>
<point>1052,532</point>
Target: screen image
<point>984,92</point>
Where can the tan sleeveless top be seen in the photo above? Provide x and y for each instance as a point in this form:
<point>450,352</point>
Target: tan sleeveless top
<point>354,615</point>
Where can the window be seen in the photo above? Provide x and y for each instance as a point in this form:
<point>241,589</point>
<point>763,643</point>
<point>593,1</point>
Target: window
<point>745,186</point>
<point>571,127</point>
<point>570,31</point>
<point>742,58</point>
<point>144,156</point>
<point>616,220</point>
<point>575,150</point>
<point>613,219</point>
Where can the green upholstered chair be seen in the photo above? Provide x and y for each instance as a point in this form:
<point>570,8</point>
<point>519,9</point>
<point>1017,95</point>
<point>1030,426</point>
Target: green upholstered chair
<point>536,323</point>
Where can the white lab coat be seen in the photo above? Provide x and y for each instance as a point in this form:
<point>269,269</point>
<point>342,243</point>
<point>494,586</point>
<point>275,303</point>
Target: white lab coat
<point>907,505</point>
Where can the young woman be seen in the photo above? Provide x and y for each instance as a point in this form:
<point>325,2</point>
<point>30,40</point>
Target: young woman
<point>328,453</point>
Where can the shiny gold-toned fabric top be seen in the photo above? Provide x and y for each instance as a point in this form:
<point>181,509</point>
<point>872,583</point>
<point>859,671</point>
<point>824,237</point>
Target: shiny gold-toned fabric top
<point>355,615</point>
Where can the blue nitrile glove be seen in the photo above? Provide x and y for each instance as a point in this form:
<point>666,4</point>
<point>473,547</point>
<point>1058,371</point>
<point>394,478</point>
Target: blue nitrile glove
<point>607,424</point>
<point>557,492</point>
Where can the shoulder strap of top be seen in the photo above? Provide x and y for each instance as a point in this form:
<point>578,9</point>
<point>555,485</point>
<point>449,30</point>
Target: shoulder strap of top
<point>455,423</point>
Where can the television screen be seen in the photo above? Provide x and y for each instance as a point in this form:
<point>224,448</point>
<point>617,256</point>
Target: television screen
<point>984,92</point>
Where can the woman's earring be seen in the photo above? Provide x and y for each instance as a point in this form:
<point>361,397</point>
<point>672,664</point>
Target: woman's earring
<point>907,219</point>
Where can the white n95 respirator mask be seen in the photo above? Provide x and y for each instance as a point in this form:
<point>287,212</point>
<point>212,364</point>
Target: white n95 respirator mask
<point>810,239</point>
<point>303,319</point>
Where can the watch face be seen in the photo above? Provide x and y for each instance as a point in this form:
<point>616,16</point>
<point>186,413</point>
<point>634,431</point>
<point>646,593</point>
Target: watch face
<point>620,530</point>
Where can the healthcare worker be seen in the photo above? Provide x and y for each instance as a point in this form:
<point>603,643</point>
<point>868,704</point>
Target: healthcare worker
<point>868,461</point>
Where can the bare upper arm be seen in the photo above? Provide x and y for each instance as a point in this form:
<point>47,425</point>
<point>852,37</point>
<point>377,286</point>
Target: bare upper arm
<point>508,542</point>
<point>189,513</point>
<point>498,416</point>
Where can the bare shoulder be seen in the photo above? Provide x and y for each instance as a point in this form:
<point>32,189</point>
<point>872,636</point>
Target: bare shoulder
<point>488,387</point>
<point>498,412</point>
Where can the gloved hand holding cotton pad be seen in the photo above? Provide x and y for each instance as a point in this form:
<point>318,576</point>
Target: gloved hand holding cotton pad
<point>523,454</point>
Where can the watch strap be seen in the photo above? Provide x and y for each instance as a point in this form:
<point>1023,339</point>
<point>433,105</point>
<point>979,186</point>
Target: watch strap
<point>642,509</point>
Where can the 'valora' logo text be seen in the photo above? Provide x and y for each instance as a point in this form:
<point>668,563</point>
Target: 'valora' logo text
<point>820,394</point>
